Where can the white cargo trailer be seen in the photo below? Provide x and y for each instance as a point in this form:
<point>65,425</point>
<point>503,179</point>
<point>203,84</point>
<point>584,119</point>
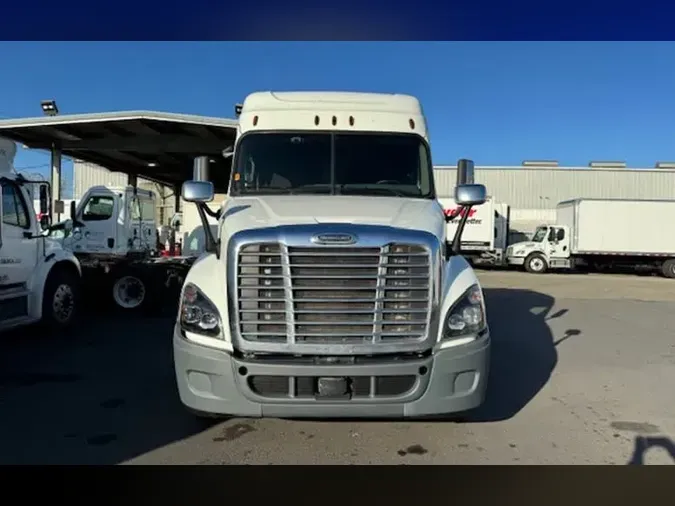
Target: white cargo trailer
<point>486,231</point>
<point>602,233</point>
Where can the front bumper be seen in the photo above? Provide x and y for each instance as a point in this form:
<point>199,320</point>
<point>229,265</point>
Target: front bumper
<point>449,381</point>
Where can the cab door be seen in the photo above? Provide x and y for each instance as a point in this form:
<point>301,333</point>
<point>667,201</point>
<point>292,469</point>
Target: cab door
<point>18,251</point>
<point>558,248</point>
<point>98,215</point>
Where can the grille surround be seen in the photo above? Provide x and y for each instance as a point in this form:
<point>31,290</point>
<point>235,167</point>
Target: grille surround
<point>289,273</point>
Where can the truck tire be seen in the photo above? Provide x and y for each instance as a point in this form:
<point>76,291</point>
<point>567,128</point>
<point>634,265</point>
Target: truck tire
<point>536,264</point>
<point>61,299</point>
<point>668,268</point>
<point>129,289</point>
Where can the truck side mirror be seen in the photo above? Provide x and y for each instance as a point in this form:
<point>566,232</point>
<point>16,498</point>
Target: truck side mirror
<point>198,191</point>
<point>470,194</point>
<point>44,199</point>
<point>73,210</point>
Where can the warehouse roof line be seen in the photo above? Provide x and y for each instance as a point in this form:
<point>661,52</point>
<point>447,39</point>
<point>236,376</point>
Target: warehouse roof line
<point>663,168</point>
<point>158,146</point>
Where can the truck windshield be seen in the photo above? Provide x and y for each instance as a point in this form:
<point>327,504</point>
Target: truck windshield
<point>382,164</point>
<point>540,234</point>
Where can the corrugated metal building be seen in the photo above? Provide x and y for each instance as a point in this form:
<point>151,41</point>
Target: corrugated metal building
<point>86,175</point>
<point>533,191</point>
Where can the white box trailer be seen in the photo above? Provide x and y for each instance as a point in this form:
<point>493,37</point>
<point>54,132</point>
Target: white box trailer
<point>602,233</point>
<point>624,227</point>
<point>486,232</point>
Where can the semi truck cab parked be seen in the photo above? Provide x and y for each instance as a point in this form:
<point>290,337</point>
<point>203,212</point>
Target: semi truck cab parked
<point>329,289</point>
<point>39,280</point>
<point>113,233</point>
<point>600,234</point>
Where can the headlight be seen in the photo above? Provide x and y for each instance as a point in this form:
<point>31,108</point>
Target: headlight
<point>467,316</point>
<point>198,314</point>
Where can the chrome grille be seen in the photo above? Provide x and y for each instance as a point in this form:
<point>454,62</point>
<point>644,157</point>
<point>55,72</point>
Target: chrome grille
<point>333,295</point>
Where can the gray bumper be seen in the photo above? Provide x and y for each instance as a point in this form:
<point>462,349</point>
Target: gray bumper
<point>450,381</point>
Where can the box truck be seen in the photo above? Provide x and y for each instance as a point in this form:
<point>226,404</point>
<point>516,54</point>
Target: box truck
<point>602,233</point>
<point>485,236</point>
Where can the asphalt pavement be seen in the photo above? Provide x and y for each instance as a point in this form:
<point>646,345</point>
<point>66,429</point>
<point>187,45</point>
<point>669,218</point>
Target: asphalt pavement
<point>582,373</point>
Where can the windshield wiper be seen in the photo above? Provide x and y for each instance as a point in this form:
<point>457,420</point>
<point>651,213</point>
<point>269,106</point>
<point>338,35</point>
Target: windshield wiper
<point>372,189</point>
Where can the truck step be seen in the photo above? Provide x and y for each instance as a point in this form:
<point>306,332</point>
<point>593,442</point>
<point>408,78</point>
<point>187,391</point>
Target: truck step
<point>13,291</point>
<point>15,307</point>
<point>13,302</point>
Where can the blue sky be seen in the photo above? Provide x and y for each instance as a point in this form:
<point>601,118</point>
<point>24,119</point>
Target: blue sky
<point>494,102</point>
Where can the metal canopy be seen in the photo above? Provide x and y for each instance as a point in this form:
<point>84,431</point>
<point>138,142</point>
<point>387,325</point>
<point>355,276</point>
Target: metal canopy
<point>157,146</point>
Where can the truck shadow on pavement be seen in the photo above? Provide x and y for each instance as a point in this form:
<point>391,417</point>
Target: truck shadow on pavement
<point>523,355</point>
<point>523,350</point>
<point>102,395</point>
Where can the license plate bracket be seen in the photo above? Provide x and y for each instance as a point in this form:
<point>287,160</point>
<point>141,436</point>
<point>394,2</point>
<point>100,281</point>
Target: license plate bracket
<point>332,388</point>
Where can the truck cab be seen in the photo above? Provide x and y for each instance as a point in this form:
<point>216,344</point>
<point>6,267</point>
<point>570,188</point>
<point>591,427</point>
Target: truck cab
<point>329,288</point>
<point>113,232</point>
<point>39,280</point>
<point>548,248</point>
<point>112,222</point>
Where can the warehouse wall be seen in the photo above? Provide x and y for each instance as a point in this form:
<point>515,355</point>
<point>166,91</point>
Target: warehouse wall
<point>86,175</point>
<point>543,188</point>
<point>533,193</point>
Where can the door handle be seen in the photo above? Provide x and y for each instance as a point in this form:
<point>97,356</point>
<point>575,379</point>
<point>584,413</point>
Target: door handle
<point>27,235</point>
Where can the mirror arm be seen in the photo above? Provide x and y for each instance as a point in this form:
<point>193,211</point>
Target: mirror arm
<point>449,218</point>
<point>212,213</point>
<point>456,247</point>
<point>211,243</point>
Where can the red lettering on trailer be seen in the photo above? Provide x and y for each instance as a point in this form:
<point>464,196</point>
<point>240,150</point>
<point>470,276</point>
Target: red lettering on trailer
<point>459,211</point>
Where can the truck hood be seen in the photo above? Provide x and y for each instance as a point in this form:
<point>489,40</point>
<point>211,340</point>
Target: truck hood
<point>269,211</point>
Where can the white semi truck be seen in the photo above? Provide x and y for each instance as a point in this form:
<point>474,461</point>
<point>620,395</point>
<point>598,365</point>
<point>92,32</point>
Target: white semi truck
<point>330,289</point>
<point>600,234</point>
<point>113,233</point>
<point>486,234</point>
<point>39,280</point>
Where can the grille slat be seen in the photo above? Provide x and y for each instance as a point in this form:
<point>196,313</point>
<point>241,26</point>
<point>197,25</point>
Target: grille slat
<point>333,295</point>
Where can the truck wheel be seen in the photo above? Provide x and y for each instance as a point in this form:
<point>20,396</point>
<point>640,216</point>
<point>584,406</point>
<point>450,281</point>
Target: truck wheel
<point>129,290</point>
<point>668,268</point>
<point>61,299</point>
<point>536,264</point>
